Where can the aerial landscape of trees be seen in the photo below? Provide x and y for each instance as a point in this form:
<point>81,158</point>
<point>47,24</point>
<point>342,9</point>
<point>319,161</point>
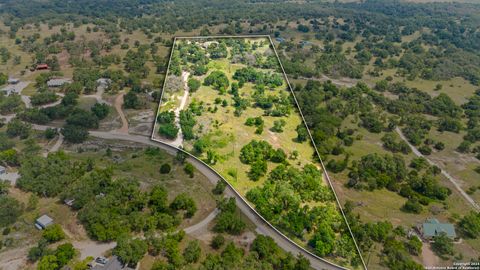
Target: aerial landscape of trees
<point>291,196</point>
<point>116,209</point>
<point>366,75</point>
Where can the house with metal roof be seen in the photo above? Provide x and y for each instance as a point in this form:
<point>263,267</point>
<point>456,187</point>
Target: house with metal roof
<point>432,227</point>
<point>57,82</point>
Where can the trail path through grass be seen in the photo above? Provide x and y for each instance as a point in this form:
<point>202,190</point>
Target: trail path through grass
<point>445,173</point>
<point>179,139</point>
<point>118,107</point>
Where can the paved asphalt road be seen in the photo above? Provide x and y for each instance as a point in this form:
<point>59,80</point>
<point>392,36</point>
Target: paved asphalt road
<point>262,226</point>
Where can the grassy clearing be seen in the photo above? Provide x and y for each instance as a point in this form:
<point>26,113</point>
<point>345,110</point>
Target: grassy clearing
<point>10,68</point>
<point>30,90</point>
<point>457,88</point>
<point>412,37</point>
<point>86,102</point>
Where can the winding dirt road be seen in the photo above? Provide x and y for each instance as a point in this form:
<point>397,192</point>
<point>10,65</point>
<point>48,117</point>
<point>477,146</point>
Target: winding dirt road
<point>178,142</point>
<point>118,106</point>
<point>56,146</point>
<point>53,103</point>
<point>203,223</point>
<point>445,173</point>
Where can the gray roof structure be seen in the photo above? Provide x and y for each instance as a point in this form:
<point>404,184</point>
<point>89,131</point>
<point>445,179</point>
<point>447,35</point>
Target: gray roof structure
<point>44,221</point>
<point>432,227</point>
<point>57,82</point>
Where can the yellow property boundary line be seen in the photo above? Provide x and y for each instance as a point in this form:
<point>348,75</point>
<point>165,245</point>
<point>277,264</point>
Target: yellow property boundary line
<point>304,122</point>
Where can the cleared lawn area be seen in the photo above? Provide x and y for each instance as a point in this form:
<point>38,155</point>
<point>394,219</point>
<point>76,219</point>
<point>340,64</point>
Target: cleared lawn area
<point>30,90</point>
<point>24,232</point>
<point>456,88</point>
<point>9,67</point>
<point>86,102</point>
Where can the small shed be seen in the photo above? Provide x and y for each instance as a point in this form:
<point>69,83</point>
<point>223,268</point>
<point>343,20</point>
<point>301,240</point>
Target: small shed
<point>43,222</point>
<point>432,227</point>
<point>3,170</point>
